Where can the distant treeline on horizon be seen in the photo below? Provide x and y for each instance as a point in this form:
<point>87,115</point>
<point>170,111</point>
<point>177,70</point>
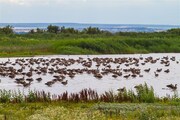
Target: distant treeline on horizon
<point>57,30</point>
<point>22,28</point>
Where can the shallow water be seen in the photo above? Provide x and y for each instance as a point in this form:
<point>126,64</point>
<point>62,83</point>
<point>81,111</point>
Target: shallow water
<point>81,81</point>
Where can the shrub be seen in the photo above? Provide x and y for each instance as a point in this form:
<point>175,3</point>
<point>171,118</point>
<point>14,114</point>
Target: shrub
<point>53,29</point>
<point>7,30</point>
<point>91,30</point>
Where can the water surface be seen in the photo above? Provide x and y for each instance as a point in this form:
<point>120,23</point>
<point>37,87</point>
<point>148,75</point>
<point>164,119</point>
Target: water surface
<point>82,81</point>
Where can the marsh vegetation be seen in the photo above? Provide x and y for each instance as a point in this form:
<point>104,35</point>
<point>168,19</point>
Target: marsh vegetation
<point>126,104</point>
<point>89,41</point>
<point>86,105</point>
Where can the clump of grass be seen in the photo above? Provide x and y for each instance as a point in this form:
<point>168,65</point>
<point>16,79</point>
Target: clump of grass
<point>18,97</point>
<point>5,96</point>
<point>36,96</point>
<point>145,93</point>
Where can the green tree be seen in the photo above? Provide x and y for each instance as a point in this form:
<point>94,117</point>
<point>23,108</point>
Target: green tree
<point>7,30</point>
<point>91,30</point>
<point>53,29</point>
<point>38,30</point>
<point>174,31</point>
<point>32,31</point>
<point>68,30</point>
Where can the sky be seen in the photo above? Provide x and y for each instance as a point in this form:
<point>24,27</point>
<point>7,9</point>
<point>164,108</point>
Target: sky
<point>165,12</point>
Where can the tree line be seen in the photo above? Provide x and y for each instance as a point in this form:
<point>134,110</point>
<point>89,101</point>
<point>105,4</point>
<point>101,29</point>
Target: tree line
<point>56,29</point>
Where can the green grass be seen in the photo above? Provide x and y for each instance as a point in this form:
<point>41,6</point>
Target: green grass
<point>122,43</point>
<point>141,111</point>
<point>127,105</point>
<point>19,47</point>
<point>143,94</point>
<point>89,111</point>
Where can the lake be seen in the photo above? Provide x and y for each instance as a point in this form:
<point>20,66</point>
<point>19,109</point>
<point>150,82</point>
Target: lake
<point>85,71</point>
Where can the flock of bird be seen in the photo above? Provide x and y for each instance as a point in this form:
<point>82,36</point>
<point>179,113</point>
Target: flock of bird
<point>23,70</point>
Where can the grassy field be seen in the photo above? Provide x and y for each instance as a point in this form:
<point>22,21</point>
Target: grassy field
<point>119,43</point>
<point>89,111</point>
<point>83,106</point>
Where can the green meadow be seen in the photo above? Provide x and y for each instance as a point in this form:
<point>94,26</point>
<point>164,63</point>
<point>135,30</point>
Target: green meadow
<point>84,43</point>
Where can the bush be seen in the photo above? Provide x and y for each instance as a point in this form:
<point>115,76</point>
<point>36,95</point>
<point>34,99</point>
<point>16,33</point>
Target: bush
<point>69,30</point>
<point>53,29</point>
<point>7,30</point>
<point>174,31</point>
<point>91,30</point>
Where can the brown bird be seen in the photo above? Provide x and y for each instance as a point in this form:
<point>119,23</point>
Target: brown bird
<point>64,82</point>
<point>49,83</point>
<point>159,70</point>
<point>25,84</point>
<point>39,79</point>
<point>133,75</point>
<point>167,71</point>
<point>98,75</point>
<point>114,75</point>
<point>29,79</point>
<point>127,76</point>
<point>156,75</point>
<point>147,70</point>
<point>173,87</point>
<point>29,74</point>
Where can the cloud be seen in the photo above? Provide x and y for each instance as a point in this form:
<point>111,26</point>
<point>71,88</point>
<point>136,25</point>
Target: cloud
<point>88,3</point>
<point>13,1</point>
<point>29,2</point>
<point>22,2</point>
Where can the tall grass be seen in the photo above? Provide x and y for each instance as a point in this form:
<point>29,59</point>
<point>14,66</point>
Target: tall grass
<point>143,94</point>
<point>37,44</point>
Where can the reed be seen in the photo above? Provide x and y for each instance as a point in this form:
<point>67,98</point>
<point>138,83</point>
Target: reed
<point>143,94</point>
<point>119,43</point>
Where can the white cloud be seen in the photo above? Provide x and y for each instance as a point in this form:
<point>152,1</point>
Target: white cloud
<point>13,1</point>
<point>32,1</point>
<point>21,2</point>
<point>29,2</point>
